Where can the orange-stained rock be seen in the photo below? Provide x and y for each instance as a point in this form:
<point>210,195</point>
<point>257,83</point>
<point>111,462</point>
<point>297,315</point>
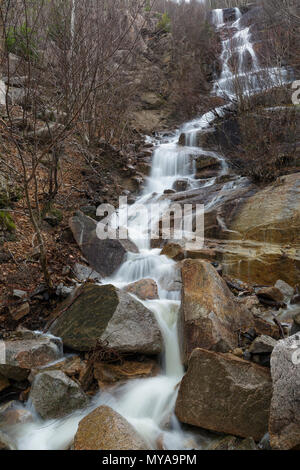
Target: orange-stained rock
<point>105,429</point>
<point>109,374</point>
<point>146,289</point>
<point>270,219</point>
<point>12,413</point>
<point>271,293</point>
<point>174,251</point>
<point>210,316</point>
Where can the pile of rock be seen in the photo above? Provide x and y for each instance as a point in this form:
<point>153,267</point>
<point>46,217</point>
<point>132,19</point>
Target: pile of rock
<point>228,347</point>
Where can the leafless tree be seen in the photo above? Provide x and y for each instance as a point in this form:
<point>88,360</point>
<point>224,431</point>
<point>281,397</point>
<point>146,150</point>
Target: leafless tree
<point>65,57</point>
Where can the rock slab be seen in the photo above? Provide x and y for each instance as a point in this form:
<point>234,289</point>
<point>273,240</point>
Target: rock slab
<point>226,394</point>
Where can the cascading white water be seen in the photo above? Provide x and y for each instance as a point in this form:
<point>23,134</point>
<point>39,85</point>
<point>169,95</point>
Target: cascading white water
<point>149,403</point>
<point>241,73</point>
<point>218,17</point>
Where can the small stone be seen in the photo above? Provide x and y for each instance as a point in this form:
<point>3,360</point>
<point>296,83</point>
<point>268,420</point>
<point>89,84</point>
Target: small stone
<point>12,413</point>
<point>146,289</point>
<point>63,291</point>
<point>285,289</point>
<point>28,349</point>
<point>262,345</point>
<point>270,293</point>
<point>54,395</point>
<point>181,185</point>
<point>238,352</point>
<point>84,273</point>
<point>174,251</point>
<point>6,443</point>
<point>19,311</point>
<point>19,294</point>
<point>169,191</point>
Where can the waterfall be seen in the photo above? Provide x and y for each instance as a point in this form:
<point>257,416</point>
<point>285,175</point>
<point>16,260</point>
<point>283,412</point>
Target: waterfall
<point>241,72</point>
<point>218,17</point>
<point>148,404</point>
<point>73,16</point>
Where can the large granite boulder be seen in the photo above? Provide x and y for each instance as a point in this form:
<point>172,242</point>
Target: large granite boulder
<point>109,314</point>
<point>226,394</point>
<point>284,425</point>
<point>105,429</point>
<point>105,256</point>
<point>210,316</point>
<point>55,395</point>
<point>26,350</point>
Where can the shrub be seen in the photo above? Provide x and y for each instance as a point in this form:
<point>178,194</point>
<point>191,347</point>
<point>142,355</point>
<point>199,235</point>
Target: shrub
<point>21,41</point>
<point>7,222</point>
<point>164,23</point>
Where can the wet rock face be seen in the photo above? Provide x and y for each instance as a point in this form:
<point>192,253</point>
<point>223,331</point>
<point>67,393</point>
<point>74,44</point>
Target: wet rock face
<point>54,395</point>
<point>12,414</point>
<point>206,161</point>
<point>210,315</point>
<point>181,185</point>
<point>223,393</point>
<point>105,429</point>
<point>105,256</point>
<point>27,350</point>
<point>271,219</point>
<point>110,374</point>
<point>146,289</point>
<point>107,313</point>
<point>174,251</point>
<point>6,443</point>
<point>284,425</point>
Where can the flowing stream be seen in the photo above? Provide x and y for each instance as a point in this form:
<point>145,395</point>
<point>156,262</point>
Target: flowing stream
<point>149,403</point>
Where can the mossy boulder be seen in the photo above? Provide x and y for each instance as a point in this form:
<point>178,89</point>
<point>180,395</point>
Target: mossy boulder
<point>108,314</point>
